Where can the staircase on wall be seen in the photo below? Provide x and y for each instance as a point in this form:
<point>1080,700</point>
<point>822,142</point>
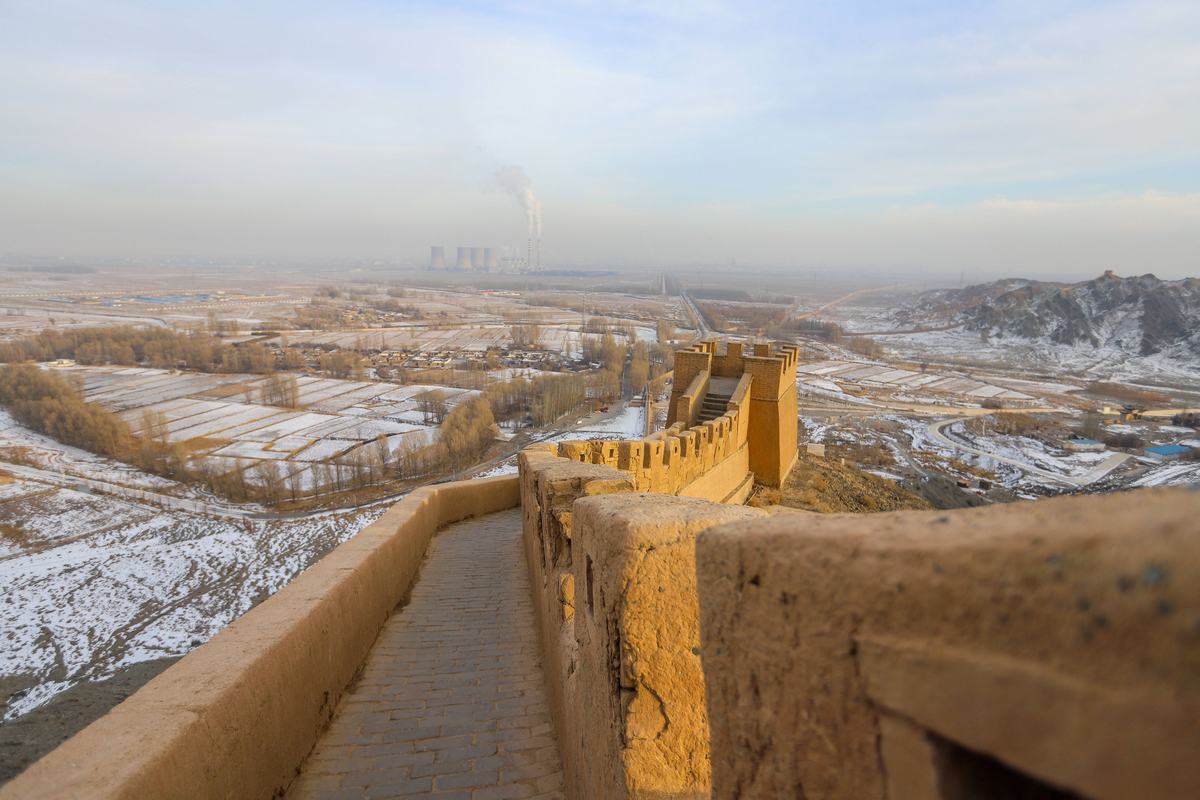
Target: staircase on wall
<point>716,399</point>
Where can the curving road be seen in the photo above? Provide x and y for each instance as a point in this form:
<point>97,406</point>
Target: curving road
<point>1075,481</point>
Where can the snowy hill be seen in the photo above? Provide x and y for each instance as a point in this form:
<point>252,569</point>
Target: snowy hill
<point>1137,316</point>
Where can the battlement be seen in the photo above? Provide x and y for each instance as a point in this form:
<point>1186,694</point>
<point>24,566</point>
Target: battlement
<point>838,625</point>
<point>773,366</point>
<point>709,459</point>
<point>772,406</point>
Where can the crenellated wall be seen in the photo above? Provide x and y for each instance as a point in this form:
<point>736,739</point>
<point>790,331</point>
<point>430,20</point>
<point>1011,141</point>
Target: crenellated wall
<point>1018,650</point>
<point>770,415</point>
<point>709,460</point>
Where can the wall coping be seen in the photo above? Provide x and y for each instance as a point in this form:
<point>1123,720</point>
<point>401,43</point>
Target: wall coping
<point>1057,636</point>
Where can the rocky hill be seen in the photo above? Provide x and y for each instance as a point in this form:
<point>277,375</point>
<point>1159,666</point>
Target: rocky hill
<point>829,487</point>
<point>1139,316</point>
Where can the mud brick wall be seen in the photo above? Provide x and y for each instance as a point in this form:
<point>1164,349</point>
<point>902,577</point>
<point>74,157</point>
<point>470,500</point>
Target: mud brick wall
<point>1023,648</point>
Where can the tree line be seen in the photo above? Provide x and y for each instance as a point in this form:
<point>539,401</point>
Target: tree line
<point>127,345</point>
<point>48,404</point>
<point>51,405</point>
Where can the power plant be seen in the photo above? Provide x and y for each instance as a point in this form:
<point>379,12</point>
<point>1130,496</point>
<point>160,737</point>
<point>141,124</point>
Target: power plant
<point>489,259</point>
<point>463,261</point>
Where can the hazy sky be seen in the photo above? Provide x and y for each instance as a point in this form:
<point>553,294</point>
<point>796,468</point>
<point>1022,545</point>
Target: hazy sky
<point>1036,138</point>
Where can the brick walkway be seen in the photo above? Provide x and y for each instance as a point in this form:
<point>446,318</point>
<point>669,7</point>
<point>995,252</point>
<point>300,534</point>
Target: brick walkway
<point>450,703</point>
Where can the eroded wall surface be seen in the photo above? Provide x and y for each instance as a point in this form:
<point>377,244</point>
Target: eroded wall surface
<point>640,706</point>
<point>549,488</point>
<point>1036,646</point>
<point>613,577</point>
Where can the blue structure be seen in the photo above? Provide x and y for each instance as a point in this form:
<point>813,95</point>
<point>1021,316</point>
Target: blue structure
<point>1167,452</point>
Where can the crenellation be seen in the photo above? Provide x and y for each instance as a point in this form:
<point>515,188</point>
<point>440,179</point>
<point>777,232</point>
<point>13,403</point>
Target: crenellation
<point>760,415</point>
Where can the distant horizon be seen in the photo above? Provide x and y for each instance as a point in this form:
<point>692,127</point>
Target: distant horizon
<point>704,271</point>
<point>989,138</point>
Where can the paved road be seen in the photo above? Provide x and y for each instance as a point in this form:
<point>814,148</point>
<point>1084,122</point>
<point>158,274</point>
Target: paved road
<point>1094,474</point>
<point>702,328</point>
<point>451,698</point>
<point>845,298</point>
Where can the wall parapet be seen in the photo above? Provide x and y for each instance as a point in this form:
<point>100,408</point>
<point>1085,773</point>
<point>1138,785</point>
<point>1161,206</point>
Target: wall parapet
<point>612,574</point>
<point>709,460</point>
<point>549,486</point>
<point>237,716</point>
<point>639,696</point>
<point>1041,646</point>
<point>687,406</point>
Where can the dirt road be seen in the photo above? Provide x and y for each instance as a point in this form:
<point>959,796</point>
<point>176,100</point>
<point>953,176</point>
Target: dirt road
<point>936,432</point>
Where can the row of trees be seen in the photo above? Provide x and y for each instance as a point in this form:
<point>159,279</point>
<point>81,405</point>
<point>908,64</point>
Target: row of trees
<point>126,345</point>
<point>51,405</point>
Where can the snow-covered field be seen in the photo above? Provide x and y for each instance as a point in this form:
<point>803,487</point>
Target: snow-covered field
<point>92,583</point>
<point>45,453</point>
<point>1184,473</point>
<point>223,423</point>
<point>831,375</point>
<point>625,424</point>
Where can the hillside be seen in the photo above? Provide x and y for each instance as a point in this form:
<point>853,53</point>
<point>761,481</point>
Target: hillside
<point>828,487</point>
<point>1138,316</point>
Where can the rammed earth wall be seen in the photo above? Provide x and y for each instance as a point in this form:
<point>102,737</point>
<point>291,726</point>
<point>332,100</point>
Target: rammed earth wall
<point>939,655</point>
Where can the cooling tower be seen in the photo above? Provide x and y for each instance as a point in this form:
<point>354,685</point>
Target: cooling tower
<point>491,261</point>
<point>437,257</point>
<point>464,258</point>
<point>476,258</point>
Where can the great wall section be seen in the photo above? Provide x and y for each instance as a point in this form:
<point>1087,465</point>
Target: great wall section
<point>613,622</point>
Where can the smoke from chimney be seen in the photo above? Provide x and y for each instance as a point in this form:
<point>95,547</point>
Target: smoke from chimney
<point>514,181</point>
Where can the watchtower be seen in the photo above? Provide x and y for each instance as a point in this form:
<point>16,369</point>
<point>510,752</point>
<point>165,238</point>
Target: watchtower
<point>705,376</point>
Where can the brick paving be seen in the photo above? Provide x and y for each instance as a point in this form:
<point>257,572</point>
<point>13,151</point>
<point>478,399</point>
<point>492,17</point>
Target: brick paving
<point>450,703</point>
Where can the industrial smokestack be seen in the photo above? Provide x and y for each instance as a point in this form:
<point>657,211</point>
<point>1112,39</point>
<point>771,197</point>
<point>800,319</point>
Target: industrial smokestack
<point>437,257</point>
<point>476,258</point>
<point>516,182</point>
<point>464,258</point>
<point>491,261</point>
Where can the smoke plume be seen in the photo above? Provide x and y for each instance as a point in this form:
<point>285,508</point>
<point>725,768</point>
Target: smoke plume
<point>514,181</point>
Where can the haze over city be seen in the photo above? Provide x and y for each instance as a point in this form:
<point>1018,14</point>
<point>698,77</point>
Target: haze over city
<point>987,139</point>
